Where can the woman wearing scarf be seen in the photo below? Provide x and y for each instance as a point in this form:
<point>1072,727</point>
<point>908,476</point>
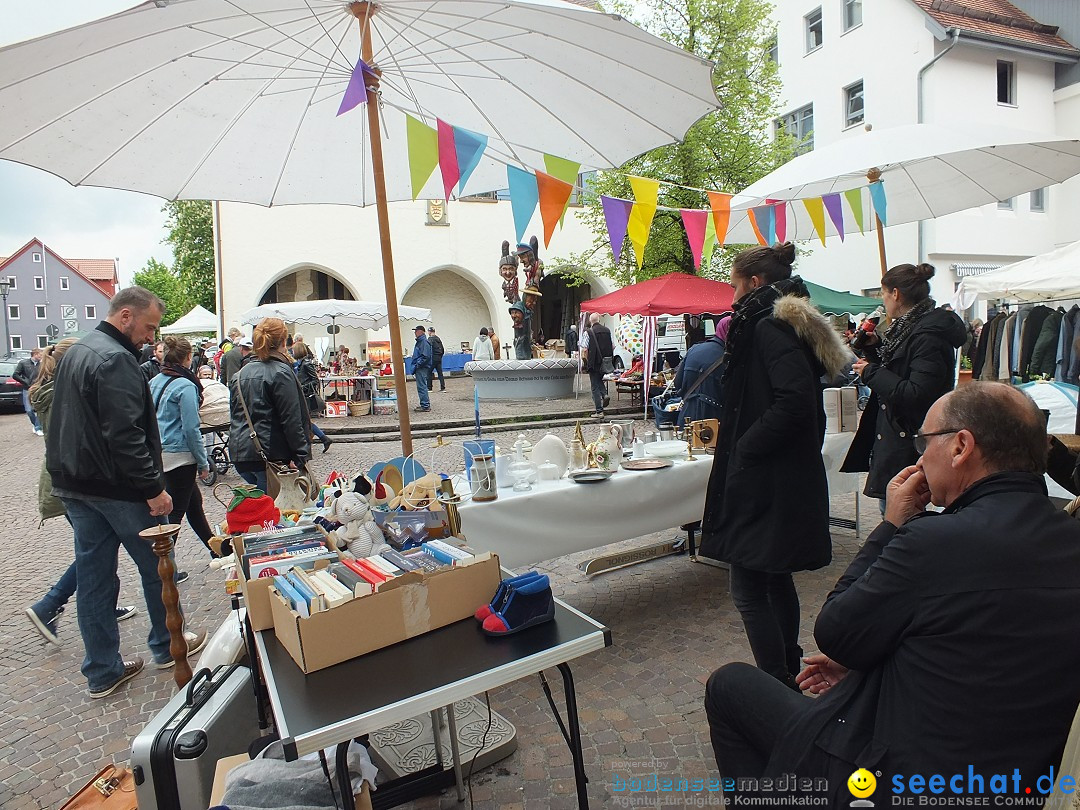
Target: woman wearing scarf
<point>767,504</point>
<point>907,367</point>
<point>177,397</point>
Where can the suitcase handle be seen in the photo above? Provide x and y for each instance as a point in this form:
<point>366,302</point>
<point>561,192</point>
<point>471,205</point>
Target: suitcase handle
<point>202,674</point>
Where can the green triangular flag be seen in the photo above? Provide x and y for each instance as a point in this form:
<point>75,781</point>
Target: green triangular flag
<point>854,200</point>
<point>423,152</point>
<point>565,170</point>
<point>710,242</point>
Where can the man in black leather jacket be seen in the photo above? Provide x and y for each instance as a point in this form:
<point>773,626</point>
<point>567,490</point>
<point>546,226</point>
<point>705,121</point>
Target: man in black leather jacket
<point>103,453</point>
<point>25,373</point>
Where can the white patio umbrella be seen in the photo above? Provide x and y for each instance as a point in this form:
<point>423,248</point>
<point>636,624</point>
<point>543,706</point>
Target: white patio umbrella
<point>238,99</point>
<point>927,170</point>
<point>331,311</point>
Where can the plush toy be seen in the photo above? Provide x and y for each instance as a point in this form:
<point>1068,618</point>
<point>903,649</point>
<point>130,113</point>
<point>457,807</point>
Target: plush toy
<point>359,532</point>
<point>420,494</point>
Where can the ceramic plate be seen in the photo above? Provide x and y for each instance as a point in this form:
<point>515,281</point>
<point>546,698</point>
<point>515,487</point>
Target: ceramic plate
<point>647,463</point>
<point>590,476</point>
<point>669,449</point>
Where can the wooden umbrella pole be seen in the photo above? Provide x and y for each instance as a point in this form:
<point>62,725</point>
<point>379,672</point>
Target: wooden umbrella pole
<point>364,12</point>
<point>873,176</point>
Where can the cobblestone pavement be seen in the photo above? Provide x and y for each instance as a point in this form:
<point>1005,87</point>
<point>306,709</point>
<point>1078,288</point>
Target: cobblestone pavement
<point>640,700</point>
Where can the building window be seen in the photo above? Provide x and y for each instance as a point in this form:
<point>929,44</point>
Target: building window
<point>772,49</point>
<point>37,257</point>
<point>1038,201</point>
<point>853,104</point>
<point>13,311</point>
<point>813,30</point>
<point>64,283</point>
<point>39,312</point>
<point>852,14</point>
<point>42,341</point>
<point>800,126</point>
<point>16,343</point>
<point>39,283</point>
<point>12,283</point>
<point>91,313</point>
<point>1006,82</point>
<point>1005,205</point>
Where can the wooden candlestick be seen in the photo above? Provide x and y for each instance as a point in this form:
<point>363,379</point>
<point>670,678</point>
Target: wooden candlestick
<point>163,537</point>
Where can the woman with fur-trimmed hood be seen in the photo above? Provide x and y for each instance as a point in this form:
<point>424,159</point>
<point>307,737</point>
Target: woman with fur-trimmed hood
<point>767,505</point>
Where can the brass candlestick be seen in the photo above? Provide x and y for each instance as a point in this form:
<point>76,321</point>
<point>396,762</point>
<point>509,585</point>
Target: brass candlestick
<point>163,538</point>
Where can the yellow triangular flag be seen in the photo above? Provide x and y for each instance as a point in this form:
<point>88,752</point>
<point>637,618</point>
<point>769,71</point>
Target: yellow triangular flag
<point>854,199</point>
<point>710,242</point>
<point>816,209</point>
<point>565,170</point>
<point>423,142</point>
<point>646,192</point>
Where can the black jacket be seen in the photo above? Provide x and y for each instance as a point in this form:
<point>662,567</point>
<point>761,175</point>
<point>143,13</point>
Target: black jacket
<point>437,348</point>
<point>230,363</point>
<point>26,371</point>
<point>961,631</point>
<point>600,346</point>
<point>767,505</point>
<point>151,368</point>
<point>103,435</point>
<point>570,340</point>
<point>919,373</point>
<point>278,412</point>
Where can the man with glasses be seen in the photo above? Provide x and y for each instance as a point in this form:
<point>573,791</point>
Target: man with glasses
<point>950,641</point>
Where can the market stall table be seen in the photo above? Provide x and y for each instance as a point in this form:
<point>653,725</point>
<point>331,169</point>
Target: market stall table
<point>352,383</point>
<point>314,711</point>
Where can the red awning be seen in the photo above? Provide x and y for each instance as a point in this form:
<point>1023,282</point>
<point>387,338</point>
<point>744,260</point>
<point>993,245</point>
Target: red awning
<point>673,294</point>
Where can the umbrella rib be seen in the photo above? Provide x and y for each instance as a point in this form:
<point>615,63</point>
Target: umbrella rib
<point>337,45</point>
<point>926,202</point>
<point>288,36</point>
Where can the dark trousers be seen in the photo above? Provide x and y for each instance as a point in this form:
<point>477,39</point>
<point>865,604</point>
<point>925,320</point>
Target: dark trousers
<point>182,485</point>
<point>599,389</point>
<point>437,369</point>
<point>769,606</point>
<point>748,713</point>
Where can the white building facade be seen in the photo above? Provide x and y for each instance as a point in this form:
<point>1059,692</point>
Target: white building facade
<point>847,65</point>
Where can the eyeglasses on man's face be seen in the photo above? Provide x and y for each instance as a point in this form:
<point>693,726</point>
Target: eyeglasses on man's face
<point>920,438</point>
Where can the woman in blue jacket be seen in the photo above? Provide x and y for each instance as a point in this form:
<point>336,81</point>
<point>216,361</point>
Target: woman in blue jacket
<point>177,396</point>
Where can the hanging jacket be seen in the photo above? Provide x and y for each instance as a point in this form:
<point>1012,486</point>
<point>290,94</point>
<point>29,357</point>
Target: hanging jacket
<point>1044,353</point>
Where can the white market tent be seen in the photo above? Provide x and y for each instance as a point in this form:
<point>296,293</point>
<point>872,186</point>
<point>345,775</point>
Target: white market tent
<point>196,321</point>
<point>358,314</point>
<point>1052,276</point>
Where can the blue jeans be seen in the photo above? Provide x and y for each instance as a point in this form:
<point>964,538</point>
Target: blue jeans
<point>101,526</point>
<point>599,389</point>
<point>423,386</point>
<point>256,478</point>
<point>57,597</point>
<point>318,433</point>
<point>30,410</point>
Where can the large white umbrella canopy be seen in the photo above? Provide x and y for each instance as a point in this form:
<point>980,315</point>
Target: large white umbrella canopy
<point>1049,276</point>
<point>199,319</point>
<point>927,170</point>
<point>359,314</point>
<point>237,99</point>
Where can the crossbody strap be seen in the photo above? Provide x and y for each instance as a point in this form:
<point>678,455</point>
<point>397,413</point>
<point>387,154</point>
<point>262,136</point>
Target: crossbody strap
<point>704,376</point>
<point>161,393</point>
<point>247,415</point>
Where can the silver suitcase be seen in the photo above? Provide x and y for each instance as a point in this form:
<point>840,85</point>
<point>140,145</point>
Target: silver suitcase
<point>176,753</point>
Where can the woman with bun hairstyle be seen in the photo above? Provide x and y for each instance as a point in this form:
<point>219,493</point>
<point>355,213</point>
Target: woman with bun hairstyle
<point>907,366</point>
<point>279,415</point>
<point>767,503</point>
<point>177,396</point>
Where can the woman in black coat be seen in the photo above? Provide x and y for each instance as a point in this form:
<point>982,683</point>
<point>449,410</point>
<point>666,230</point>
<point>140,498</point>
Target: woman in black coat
<point>907,367</point>
<point>767,505</point>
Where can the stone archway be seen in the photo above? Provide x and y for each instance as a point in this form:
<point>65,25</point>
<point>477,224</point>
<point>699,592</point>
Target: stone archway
<point>306,283</point>
<point>561,304</point>
<point>458,306</point>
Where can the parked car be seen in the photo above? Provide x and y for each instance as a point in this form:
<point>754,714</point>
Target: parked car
<point>10,391</point>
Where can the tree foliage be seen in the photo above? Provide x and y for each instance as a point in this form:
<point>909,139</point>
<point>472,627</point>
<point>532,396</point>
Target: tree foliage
<point>163,282</point>
<point>191,279</point>
<point>725,151</point>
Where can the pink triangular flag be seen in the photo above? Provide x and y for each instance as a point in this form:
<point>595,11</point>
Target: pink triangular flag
<point>780,215</point>
<point>448,163</point>
<point>694,222</point>
<point>616,215</point>
<point>836,212</point>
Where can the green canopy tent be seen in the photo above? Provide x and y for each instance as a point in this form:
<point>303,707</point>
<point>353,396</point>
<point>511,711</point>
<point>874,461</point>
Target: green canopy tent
<point>834,302</point>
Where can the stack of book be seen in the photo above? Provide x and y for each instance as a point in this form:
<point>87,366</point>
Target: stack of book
<point>272,553</point>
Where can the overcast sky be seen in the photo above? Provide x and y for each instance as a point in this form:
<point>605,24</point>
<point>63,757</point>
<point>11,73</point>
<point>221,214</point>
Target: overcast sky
<point>79,223</point>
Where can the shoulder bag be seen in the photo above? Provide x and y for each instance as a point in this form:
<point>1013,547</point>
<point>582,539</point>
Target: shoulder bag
<point>607,365</point>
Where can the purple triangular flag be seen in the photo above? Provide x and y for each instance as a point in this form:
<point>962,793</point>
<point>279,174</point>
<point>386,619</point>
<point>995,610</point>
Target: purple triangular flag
<point>836,212</point>
<point>616,215</point>
<point>356,92</point>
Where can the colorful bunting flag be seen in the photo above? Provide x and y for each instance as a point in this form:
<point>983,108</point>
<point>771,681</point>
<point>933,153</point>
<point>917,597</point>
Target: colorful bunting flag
<point>554,195</point>
<point>616,216</point>
<point>646,192</point>
<point>765,217</point>
<point>854,199</point>
<point>752,218</point>
<point>565,170</point>
<point>710,242</point>
<point>524,196</point>
<point>836,212</point>
<point>470,148</point>
<point>448,164</point>
<point>694,223</point>
<point>721,214</point>
<point>816,211</point>
<point>423,142</point>
<point>877,198</point>
<point>780,216</point>
<point>356,90</point>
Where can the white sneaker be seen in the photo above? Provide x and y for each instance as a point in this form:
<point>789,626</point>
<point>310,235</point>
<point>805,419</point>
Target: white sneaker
<point>39,432</point>
<point>195,642</point>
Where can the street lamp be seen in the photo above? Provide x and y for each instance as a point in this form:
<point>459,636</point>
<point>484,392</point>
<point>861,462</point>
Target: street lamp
<point>5,288</point>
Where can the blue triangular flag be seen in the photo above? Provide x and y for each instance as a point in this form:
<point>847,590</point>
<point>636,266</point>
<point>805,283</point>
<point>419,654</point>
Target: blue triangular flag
<point>470,148</point>
<point>877,197</point>
<point>524,196</point>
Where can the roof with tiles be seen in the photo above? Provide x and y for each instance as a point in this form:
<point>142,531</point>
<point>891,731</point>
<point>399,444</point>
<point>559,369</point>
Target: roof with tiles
<point>996,18</point>
<point>99,272</point>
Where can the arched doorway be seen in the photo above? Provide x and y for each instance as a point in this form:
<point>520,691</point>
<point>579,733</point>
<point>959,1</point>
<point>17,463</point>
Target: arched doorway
<point>561,304</point>
<point>306,284</point>
<point>458,306</point>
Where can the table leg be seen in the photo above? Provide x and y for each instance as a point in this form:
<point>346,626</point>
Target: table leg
<point>455,753</point>
<point>858,530</point>
<point>436,730</point>
<point>344,780</point>
<point>575,737</point>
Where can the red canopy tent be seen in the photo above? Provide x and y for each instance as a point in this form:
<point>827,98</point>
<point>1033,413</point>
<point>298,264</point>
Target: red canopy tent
<point>672,294</point>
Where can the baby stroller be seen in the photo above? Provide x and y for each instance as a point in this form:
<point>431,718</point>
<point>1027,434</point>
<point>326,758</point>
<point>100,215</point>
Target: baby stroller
<point>217,451</point>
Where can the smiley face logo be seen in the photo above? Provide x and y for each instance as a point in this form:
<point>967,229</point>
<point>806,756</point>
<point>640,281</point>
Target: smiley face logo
<point>862,783</point>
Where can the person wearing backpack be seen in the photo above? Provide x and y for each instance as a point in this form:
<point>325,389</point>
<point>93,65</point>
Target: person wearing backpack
<point>597,351</point>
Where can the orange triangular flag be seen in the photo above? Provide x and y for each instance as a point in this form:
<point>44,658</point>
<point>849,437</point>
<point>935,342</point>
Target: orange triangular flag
<point>554,194</point>
<point>721,213</point>
<point>753,224</point>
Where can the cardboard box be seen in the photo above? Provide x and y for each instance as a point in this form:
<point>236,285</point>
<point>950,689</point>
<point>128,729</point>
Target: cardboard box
<point>849,409</point>
<point>404,607</point>
<point>831,398</point>
<point>217,792</point>
<point>335,408</point>
<point>257,591</point>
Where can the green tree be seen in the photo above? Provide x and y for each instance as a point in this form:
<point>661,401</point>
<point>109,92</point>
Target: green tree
<point>726,150</point>
<point>165,284</point>
<point>191,234</point>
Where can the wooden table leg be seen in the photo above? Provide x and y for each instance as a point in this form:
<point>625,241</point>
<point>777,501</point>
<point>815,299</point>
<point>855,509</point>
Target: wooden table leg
<point>163,538</point>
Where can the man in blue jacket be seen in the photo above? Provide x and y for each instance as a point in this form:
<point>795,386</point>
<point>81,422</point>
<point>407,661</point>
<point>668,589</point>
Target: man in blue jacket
<point>422,365</point>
